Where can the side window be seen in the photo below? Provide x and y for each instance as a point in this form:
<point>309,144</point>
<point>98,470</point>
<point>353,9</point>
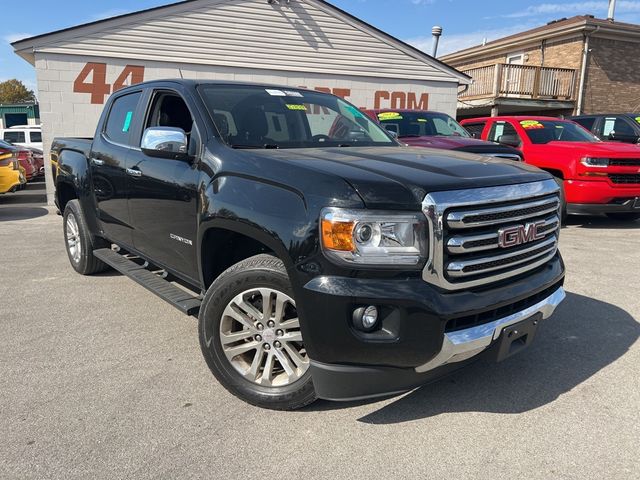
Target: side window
<point>616,125</point>
<point>121,117</point>
<point>475,129</point>
<point>586,122</point>
<point>170,110</point>
<point>36,137</point>
<point>498,129</point>
<point>15,137</point>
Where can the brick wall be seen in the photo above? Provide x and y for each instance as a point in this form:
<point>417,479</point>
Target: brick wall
<point>613,77</point>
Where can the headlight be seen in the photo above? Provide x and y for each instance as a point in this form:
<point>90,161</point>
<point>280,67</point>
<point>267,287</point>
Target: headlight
<point>595,162</point>
<point>366,237</point>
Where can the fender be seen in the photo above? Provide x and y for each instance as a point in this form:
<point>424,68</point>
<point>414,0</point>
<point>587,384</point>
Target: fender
<point>277,217</point>
<point>73,172</point>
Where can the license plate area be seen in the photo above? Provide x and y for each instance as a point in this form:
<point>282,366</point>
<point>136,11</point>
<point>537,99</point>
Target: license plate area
<point>516,337</point>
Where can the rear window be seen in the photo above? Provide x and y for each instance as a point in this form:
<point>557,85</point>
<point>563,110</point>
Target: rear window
<point>120,119</point>
<point>15,137</point>
<point>586,122</point>
<point>36,137</point>
<point>475,129</point>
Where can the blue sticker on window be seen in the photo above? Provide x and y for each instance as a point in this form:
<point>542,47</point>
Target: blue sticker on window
<point>127,122</point>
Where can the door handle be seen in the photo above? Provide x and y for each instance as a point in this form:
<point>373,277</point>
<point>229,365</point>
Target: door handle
<point>97,162</point>
<point>134,173</point>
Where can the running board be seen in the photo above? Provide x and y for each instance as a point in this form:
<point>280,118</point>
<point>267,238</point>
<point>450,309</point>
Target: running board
<point>177,297</point>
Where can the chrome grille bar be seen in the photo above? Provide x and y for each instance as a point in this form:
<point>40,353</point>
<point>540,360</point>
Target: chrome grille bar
<point>458,269</point>
<point>460,244</point>
<point>510,213</point>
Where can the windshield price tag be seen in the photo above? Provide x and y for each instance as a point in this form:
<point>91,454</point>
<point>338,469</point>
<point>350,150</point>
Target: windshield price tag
<point>275,93</point>
<point>638,119</point>
<point>296,106</point>
<point>389,116</point>
<point>531,124</point>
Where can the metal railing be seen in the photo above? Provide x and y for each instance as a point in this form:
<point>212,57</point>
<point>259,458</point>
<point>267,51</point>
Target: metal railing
<point>521,81</point>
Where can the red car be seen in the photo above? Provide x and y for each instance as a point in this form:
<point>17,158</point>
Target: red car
<point>25,158</point>
<point>598,177</point>
<point>420,128</point>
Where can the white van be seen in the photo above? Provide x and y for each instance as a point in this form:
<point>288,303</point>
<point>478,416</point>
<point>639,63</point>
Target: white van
<point>23,135</point>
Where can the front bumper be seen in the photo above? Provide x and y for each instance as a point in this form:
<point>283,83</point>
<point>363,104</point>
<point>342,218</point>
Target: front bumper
<point>601,196</point>
<point>352,382</point>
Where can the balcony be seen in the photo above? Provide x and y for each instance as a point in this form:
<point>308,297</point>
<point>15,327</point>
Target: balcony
<point>523,81</point>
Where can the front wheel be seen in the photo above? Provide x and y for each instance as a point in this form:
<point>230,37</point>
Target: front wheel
<point>250,336</point>
<point>624,217</point>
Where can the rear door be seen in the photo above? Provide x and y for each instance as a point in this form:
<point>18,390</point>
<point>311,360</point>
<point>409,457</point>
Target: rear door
<point>110,150</point>
<point>163,192</point>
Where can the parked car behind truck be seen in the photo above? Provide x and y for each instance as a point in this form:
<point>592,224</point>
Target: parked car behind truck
<point>323,259</point>
<point>597,177</point>
<point>418,128</point>
<point>11,177</point>
<point>613,127</point>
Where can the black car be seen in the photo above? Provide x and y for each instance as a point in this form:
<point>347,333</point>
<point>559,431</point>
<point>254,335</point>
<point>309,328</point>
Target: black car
<point>613,127</point>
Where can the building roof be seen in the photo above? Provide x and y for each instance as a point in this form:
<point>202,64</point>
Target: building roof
<point>26,47</point>
<point>558,28</point>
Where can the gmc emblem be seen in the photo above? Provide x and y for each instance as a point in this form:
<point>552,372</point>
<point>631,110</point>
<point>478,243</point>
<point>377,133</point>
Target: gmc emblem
<point>513,236</point>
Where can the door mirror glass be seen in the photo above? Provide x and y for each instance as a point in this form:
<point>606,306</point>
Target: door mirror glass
<point>165,142</point>
<point>510,140</point>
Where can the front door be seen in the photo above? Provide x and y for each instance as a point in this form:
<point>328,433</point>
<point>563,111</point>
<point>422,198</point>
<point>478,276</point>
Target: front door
<point>163,193</point>
<point>108,159</point>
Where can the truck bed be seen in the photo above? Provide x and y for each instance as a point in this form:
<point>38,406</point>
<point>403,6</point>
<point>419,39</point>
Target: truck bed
<point>79,144</point>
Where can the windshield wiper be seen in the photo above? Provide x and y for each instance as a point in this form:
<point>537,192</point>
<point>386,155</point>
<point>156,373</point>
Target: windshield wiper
<point>413,135</point>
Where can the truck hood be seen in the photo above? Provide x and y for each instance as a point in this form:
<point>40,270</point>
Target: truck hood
<point>400,177</point>
<point>441,141</point>
<point>615,149</point>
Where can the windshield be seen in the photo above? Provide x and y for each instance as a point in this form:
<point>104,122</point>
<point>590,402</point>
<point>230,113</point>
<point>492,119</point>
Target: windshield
<point>545,131</point>
<point>255,117</point>
<point>421,124</point>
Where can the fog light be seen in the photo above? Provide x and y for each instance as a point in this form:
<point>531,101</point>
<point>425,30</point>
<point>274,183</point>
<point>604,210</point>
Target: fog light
<point>366,318</point>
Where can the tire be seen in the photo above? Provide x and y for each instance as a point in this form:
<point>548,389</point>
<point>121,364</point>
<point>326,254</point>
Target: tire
<point>624,217</point>
<point>264,364</point>
<point>78,242</point>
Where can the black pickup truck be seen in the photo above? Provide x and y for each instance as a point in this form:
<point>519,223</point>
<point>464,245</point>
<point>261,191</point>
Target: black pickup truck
<point>321,257</point>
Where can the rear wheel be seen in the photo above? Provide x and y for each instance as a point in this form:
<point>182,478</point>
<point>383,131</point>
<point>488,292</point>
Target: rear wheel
<point>250,336</point>
<point>624,217</point>
<point>78,241</point>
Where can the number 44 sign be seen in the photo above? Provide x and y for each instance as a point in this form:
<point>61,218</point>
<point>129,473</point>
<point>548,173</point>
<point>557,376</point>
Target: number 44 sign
<point>98,86</point>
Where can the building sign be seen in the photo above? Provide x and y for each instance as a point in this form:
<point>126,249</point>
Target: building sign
<point>92,80</point>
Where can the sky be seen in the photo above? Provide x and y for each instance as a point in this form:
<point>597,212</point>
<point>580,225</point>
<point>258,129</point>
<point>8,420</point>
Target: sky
<point>465,22</point>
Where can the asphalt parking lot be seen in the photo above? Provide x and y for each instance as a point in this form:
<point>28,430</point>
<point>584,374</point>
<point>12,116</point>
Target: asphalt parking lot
<point>100,379</point>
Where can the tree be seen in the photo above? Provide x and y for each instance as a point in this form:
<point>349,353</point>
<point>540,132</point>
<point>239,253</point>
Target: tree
<point>14,91</point>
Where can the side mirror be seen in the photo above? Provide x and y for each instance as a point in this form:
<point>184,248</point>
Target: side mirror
<point>392,130</point>
<point>511,140</point>
<point>165,142</point>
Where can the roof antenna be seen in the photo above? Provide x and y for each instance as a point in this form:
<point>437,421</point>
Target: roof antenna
<point>436,32</point>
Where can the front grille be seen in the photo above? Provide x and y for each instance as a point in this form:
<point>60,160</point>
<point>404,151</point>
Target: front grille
<point>488,239</point>
<point>624,162</point>
<point>624,178</point>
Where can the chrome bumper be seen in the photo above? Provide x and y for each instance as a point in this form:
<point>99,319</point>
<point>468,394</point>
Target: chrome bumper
<point>463,344</point>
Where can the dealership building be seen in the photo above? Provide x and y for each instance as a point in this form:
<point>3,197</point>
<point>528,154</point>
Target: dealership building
<point>301,43</point>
